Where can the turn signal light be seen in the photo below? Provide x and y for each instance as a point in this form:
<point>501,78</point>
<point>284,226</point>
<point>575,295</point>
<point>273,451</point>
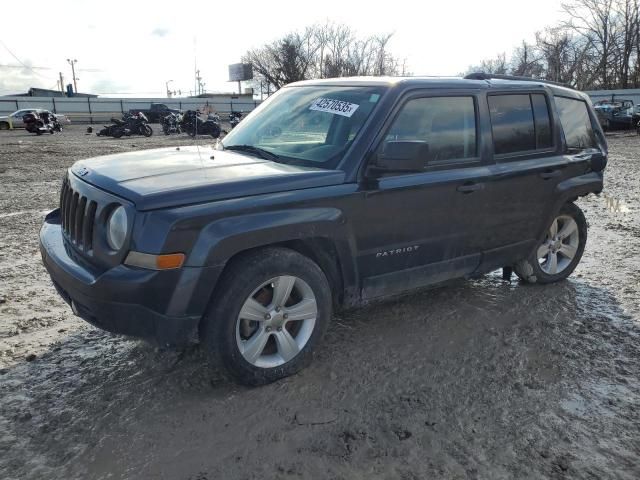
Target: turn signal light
<point>155,262</point>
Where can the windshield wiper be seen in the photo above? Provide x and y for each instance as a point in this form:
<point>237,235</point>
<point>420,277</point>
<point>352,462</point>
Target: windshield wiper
<point>261,152</point>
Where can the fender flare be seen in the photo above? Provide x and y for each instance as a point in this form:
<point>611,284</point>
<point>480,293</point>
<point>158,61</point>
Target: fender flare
<point>224,238</point>
<point>569,190</point>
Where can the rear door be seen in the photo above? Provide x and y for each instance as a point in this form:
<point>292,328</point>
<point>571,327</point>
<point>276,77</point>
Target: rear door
<point>529,164</point>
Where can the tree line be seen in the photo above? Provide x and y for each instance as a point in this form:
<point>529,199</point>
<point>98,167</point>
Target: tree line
<point>595,46</point>
<point>322,51</point>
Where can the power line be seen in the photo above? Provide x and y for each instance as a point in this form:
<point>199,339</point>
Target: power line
<point>20,61</point>
<point>90,70</point>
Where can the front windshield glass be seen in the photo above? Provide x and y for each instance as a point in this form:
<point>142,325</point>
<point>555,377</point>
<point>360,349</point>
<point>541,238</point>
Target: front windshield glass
<point>308,126</point>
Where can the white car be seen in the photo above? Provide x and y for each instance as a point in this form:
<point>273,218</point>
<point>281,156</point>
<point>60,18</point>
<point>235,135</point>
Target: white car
<point>15,118</point>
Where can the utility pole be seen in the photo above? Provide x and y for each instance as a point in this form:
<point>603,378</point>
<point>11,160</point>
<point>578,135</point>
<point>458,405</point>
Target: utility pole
<point>73,72</point>
<point>61,83</point>
<point>199,85</point>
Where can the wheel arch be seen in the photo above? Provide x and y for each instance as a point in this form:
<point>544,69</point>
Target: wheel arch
<point>320,234</point>
<point>569,191</point>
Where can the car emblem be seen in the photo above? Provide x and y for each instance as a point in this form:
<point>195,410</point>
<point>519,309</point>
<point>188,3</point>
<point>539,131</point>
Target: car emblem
<point>82,171</point>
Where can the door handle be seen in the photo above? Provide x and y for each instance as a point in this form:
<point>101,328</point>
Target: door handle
<point>470,187</point>
<point>548,174</point>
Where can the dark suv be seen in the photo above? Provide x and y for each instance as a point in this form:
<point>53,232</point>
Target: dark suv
<point>330,194</point>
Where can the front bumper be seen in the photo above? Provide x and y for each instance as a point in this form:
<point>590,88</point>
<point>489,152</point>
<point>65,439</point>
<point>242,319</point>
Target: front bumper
<point>165,306</point>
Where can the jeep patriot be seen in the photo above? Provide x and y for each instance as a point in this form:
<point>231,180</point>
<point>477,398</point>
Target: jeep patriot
<point>330,194</point>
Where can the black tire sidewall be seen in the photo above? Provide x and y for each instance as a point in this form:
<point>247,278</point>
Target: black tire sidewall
<point>218,333</point>
<point>574,212</point>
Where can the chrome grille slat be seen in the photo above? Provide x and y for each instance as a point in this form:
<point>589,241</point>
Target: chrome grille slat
<point>90,218</point>
<point>79,220</point>
<point>67,207</point>
<point>72,216</point>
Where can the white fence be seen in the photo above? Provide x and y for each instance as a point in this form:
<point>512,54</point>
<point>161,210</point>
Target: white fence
<point>632,94</point>
<point>92,110</point>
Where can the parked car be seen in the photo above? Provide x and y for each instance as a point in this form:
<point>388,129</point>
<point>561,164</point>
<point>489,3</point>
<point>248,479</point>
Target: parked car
<point>156,113</point>
<point>331,194</point>
<point>618,114</point>
<point>15,118</point>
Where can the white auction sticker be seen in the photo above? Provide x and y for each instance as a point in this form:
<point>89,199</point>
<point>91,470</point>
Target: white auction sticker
<point>338,107</point>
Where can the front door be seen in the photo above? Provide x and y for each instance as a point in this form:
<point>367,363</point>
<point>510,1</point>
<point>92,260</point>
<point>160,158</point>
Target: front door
<point>418,228</point>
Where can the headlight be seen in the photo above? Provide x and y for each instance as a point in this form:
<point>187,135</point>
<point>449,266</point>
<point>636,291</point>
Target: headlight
<point>117,227</point>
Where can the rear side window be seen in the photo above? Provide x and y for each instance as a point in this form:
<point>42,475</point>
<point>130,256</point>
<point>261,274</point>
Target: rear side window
<point>576,123</point>
<point>520,123</point>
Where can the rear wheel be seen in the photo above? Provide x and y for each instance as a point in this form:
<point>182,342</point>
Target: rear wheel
<point>557,256</point>
<point>215,130</point>
<point>268,316</point>
<point>4,126</point>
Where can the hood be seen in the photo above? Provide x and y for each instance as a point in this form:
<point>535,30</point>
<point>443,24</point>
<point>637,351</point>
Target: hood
<point>173,176</point>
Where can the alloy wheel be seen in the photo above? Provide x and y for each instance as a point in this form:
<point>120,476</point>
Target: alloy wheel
<point>560,246</point>
<point>276,321</point>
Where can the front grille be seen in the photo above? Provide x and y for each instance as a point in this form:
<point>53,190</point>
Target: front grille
<point>78,215</point>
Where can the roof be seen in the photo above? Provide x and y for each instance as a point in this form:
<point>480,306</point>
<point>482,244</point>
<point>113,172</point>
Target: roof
<point>483,81</point>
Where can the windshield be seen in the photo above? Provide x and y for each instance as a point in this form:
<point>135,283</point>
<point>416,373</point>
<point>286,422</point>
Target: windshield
<point>308,126</point>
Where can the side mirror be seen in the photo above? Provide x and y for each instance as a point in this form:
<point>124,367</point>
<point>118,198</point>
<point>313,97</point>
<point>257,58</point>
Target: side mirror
<point>401,156</point>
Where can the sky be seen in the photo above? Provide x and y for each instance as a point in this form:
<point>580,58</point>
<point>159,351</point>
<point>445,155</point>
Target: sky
<point>134,48</point>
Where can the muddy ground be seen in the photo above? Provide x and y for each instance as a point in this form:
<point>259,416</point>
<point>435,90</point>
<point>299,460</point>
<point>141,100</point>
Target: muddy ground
<point>481,379</point>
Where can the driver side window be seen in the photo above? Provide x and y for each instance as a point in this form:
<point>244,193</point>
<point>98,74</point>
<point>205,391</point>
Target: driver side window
<point>446,124</point>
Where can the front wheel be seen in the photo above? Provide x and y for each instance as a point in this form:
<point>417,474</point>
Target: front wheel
<point>269,313</point>
<point>559,253</point>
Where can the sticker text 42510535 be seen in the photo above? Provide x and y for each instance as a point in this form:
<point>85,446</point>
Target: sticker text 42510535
<point>337,107</point>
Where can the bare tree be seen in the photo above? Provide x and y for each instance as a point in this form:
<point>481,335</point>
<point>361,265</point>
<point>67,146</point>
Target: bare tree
<point>526,61</point>
<point>323,51</point>
<point>497,65</point>
<point>597,45</point>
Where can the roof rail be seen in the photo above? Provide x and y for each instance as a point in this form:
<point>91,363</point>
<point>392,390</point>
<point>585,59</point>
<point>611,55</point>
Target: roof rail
<point>497,76</point>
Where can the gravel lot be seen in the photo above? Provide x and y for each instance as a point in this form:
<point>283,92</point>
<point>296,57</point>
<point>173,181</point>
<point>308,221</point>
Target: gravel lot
<point>479,379</point>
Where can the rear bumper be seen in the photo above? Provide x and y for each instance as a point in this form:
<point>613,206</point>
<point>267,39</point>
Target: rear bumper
<point>164,306</point>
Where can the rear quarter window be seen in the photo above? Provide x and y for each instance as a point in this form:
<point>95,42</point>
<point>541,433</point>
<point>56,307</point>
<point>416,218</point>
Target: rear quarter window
<point>576,123</point>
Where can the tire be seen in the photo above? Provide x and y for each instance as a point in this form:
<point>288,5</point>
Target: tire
<point>249,283</point>
<point>4,126</point>
<point>117,132</point>
<point>147,131</point>
<point>570,227</point>
<point>215,131</point>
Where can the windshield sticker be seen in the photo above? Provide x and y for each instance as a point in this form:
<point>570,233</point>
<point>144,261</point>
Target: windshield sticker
<point>337,107</point>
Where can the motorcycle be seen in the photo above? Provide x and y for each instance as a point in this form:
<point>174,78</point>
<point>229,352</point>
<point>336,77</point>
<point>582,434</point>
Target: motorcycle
<point>138,124</point>
<point>234,118</point>
<point>108,130</point>
<point>131,124</point>
<point>172,123</point>
<point>41,122</point>
<point>194,125</point>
